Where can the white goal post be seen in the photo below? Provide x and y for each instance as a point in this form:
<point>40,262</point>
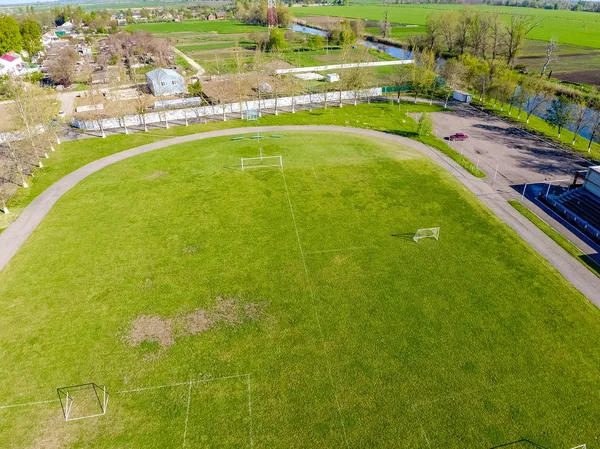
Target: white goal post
<point>90,400</point>
<point>427,233</point>
<point>273,161</point>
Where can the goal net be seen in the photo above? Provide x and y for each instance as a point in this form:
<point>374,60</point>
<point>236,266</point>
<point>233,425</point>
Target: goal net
<point>82,401</point>
<point>263,161</point>
<point>427,233</point>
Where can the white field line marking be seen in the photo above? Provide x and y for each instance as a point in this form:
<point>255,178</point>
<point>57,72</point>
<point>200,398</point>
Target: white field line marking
<point>179,384</point>
<point>352,248</point>
<point>187,413</point>
<point>250,411</point>
<point>423,430</point>
<point>312,297</point>
<point>314,173</point>
<point>27,404</point>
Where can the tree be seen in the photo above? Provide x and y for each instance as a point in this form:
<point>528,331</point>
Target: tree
<point>284,17</point>
<point>358,27</point>
<point>479,34</point>
<point>425,126</point>
<point>31,112</point>
<point>550,55</point>
<point>31,35</point>
<point>517,28</point>
<point>62,69</point>
<point>434,31</point>
<point>195,89</point>
<point>10,36</point>
<point>594,123</point>
<point>497,36</point>
<point>448,25</point>
<point>453,73</point>
<point>357,78</point>
<point>276,40</point>
<point>560,113</point>
<point>536,93</point>
<point>343,34</point>
<point>384,25</point>
<point>315,42</point>
<point>462,30</point>
<point>581,118</point>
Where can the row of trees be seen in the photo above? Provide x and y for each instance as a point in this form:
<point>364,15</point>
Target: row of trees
<point>483,34</point>
<point>32,116</point>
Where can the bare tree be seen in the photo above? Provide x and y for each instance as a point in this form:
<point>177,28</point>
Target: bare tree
<point>33,108</point>
<point>594,123</point>
<point>384,25</point>
<point>551,55</point>
<point>517,29</point>
<point>259,71</point>
<point>581,118</point>
<point>497,35</point>
<point>536,93</point>
<point>62,69</point>
<point>240,81</point>
<point>453,73</point>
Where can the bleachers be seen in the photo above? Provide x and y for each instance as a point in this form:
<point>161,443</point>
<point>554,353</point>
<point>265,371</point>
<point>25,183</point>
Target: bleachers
<point>584,209</point>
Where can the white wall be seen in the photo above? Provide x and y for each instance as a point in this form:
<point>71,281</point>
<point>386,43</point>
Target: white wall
<point>592,181</point>
<point>195,113</point>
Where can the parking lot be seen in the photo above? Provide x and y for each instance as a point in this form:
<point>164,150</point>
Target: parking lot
<point>520,158</point>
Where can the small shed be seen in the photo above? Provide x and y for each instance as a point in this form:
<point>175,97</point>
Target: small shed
<point>332,77</point>
<point>165,82</point>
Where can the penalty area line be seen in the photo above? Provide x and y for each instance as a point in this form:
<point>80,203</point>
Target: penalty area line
<point>27,404</point>
<point>339,250</point>
<point>179,384</point>
<point>187,414</point>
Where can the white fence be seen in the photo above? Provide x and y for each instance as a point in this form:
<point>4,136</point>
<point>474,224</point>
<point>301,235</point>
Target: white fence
<point>196,113</point>
<point>322,68</point>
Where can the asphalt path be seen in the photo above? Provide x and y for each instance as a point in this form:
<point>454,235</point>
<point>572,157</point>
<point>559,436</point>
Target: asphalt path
<point>19,231</point>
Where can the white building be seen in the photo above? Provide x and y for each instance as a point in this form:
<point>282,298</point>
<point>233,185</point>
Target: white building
<point>10,64</point>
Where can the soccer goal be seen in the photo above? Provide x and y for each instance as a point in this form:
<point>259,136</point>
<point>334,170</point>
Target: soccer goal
<point>427,233</point>
<point>83,401</point>
<point>260,162</point>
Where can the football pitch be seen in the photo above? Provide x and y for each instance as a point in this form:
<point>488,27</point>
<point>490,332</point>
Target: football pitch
<point>290,308</point>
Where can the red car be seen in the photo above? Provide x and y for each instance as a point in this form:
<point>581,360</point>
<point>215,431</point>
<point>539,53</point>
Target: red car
<point>458,136</point>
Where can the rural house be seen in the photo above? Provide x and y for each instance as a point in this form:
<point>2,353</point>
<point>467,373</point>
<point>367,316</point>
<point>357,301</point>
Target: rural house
<point>165,82</point>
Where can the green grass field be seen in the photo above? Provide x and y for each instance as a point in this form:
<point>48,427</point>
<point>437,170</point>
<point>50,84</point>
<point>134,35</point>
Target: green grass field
<point>335,328</point>
<point>569,27</point>
<point>72,155</point>
<point>197,26</point>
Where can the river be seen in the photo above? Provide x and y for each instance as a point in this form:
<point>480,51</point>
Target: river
<point>396,52</point>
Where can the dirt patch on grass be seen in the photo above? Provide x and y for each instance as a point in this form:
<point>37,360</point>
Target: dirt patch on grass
<point>152,329</point>
<point>164,331</point>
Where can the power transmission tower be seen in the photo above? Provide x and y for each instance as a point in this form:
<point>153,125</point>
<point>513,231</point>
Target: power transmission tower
<point>272,13</point>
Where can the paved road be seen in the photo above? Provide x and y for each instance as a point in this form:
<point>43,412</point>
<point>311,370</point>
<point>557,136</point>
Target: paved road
<point>17,233</point>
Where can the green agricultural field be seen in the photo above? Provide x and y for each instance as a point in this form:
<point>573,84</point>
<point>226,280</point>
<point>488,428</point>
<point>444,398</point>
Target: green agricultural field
<point>197,26</point>
<point>569,27</point>
<point>290,309</point>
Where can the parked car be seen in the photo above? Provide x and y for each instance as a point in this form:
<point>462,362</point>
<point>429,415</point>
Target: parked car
<point>459,136</point>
